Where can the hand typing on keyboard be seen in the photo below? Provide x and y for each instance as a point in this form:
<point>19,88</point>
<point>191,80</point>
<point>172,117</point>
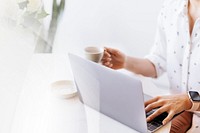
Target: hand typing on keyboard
<point>156,122</point>
<point>170,104</point>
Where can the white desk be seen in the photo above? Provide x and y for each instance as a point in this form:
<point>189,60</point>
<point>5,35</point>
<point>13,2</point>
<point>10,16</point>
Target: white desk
<point>40,111</point>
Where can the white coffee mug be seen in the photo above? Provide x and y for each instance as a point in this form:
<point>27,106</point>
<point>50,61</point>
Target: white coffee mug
<point>94,53</point>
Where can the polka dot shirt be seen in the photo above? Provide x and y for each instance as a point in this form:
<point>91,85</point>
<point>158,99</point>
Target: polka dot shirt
<point>176,51</point>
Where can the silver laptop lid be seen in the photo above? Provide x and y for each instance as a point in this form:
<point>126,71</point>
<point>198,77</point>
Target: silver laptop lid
<point>114,94</point>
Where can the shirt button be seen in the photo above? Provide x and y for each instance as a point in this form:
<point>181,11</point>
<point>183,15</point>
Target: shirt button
<point>195,34</point>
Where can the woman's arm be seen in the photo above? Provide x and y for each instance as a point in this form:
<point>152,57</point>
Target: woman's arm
<point>115,59</point>
<point>140,66</point>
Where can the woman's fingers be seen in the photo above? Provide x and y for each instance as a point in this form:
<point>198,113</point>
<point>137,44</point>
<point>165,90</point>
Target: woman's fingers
<point>156,113</point>
<point>163,106</point>
<point>106,59</point>
<point>169,117</point>
<point>152,100</point>
<point>154,105</point>
<point>111,50</point>
<point>106,54</point>
<point>107,62</point>
<point>111,65</point>
<point>113,58</point>
<point>172,104</point>
<point>159,112</point>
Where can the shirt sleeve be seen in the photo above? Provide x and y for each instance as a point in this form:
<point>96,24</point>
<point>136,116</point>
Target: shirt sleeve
<point>158,52</point>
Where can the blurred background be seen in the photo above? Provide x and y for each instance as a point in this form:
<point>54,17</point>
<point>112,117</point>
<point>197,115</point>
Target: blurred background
<point>30,27</point>
<point>59,26</point>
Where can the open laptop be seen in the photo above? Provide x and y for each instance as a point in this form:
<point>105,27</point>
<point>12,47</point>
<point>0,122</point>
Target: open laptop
<point>113,93</point>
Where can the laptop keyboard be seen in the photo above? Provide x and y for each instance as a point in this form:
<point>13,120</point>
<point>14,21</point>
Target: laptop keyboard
<point>156,122</point>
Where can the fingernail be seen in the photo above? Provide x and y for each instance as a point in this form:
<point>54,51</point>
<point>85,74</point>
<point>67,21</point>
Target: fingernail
<point>163,122</point>
<point>106,63</point>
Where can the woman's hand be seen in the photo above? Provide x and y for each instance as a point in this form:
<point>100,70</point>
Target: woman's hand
<point>173,104</point>
<point>113,58</point>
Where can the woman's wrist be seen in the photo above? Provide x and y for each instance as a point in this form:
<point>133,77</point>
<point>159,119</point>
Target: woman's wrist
<point>125,65</point>
<point>128,63</point>
<point>188,103</point>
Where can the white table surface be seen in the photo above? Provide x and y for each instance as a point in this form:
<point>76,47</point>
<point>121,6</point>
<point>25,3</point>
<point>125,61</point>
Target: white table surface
<point>40,111</point>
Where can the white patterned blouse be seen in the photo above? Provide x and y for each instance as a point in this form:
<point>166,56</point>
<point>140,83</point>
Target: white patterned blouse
<point>177,52</point>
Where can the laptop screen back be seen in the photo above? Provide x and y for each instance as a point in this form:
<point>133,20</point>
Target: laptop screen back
<point>110,92</point>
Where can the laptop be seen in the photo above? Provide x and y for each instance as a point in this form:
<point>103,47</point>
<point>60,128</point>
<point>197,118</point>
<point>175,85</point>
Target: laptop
<point>113,93</point>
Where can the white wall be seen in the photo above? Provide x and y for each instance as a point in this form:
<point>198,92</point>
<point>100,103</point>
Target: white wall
<point>126,24</point>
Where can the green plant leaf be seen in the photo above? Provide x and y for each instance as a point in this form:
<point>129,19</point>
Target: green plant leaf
<point>42,14</point>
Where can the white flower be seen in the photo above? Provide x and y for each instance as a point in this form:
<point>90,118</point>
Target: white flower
<point>30,5</point>
<point>34,5</point>
<point>33,13</point>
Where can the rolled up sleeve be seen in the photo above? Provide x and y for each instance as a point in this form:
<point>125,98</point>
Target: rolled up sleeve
<point>158,52</point>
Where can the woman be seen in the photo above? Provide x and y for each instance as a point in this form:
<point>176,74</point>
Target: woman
<point>177,52</point>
